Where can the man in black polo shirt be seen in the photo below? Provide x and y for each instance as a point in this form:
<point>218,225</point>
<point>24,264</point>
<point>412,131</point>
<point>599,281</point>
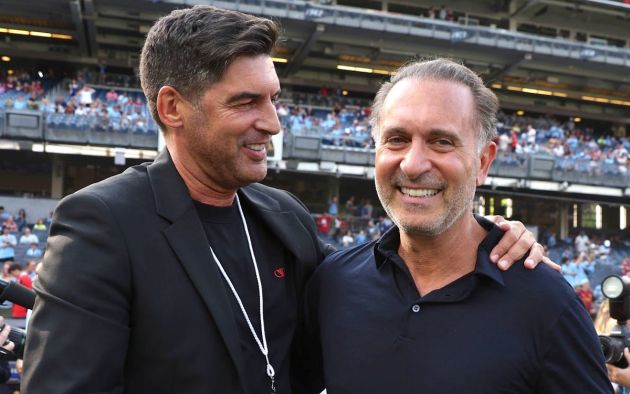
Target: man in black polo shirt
<point>423,309</point>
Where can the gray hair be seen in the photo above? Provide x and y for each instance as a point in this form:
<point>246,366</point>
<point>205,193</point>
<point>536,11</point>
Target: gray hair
<point>486,102</point>
<point>190,49</point>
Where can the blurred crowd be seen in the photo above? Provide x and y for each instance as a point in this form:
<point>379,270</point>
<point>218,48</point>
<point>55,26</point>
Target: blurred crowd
<point>575,146</point>
<point>22,246</point>
<point>78,103</point>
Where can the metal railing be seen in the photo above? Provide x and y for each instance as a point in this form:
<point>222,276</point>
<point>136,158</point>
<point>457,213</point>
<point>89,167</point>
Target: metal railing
<point>506,165</point>
<point>37,126</point>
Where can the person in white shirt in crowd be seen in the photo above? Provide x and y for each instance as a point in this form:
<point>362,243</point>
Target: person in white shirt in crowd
<point>85,95</point>
<point>347,240</point>
<point>582,242</point>
<point>28,237</point>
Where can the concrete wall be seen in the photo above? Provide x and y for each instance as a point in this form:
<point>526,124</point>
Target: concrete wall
<point>34,207</point>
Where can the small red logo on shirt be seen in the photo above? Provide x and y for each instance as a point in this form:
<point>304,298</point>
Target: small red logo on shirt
<point>279,272</point>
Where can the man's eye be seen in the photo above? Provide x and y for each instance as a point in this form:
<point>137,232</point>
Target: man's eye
<point>444,142</point>
<point>395,140</point>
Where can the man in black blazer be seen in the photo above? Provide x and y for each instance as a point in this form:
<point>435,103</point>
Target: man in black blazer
<point>185,275</point>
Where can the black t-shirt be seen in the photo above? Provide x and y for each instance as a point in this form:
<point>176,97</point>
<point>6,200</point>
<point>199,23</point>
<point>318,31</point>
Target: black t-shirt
<point>226,235</point>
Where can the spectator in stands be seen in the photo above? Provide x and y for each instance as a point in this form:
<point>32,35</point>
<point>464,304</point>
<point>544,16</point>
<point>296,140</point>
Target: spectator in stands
<point>211,86</point>
<point>372,230</point>
<point>73,87</point>
<point>569,270</point>
<point>347,239</point>
<point>360,238</point>
<point>333,206</point>
<point>384,223</point>
<point>31,269</point>
<point>504,142</point>
<point>70,108</point>
<point>5,276</point>
<point>85,95</point>
<point>123,99</point>
<point>28,237</point>
<point>584,292</point>
<point>323,224</point>
<point>367,209</point>
<point>443,13</point>
<point>82,110</point>
<point>7,243</point>
<point>10,224</point>
<point>22,278</point>
<point>4,215</point>
<point>20,103</point>
<point>33,102</point>
<point>20,219</point>
<point>34,252</point>
<point>39,225</point>
<point>350,205</point>
<point>582,242</point>
<point>111,96</point>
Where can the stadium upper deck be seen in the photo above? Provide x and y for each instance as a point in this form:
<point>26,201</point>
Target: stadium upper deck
<point>551,56</point>
<point>568,58</point>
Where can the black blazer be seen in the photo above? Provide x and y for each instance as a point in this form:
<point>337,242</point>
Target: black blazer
<point>128,300</point>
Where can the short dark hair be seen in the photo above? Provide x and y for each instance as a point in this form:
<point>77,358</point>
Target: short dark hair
<point>15,266</point>
<point>190,49</point>
<point>441,69</point>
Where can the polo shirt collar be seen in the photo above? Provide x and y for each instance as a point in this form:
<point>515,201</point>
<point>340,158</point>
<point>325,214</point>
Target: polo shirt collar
<point>387,247</point>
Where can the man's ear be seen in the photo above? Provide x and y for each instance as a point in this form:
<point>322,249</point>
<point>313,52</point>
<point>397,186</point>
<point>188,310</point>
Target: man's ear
<point>170,107</point>
<point>486,157</point>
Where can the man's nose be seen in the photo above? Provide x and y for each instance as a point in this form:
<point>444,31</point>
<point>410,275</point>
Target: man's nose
<point>417,160</point>
<point>268,120</point>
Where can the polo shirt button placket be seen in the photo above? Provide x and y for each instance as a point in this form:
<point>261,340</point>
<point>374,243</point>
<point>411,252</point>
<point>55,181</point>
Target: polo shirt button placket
<point>415,308</point>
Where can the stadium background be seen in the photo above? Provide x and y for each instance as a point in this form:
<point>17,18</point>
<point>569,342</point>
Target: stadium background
<point>561,66</point>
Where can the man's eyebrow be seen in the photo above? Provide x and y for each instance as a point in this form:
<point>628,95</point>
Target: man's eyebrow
<point>394,130</point>
<point>242,96</point>
<point>434,133</point>
<point>247,96</point>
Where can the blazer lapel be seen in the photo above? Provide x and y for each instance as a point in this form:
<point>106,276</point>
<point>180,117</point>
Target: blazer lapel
<point>187,238</point>
<point>284,224</point>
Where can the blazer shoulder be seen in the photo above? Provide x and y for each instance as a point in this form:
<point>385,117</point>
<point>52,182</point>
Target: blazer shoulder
<point>133,181</point>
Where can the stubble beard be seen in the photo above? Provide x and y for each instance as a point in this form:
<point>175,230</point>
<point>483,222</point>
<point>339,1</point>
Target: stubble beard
<point>458,202</point>
<point>221,166</point>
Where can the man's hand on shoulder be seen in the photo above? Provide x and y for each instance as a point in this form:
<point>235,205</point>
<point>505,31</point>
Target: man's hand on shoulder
<point>515,244</point>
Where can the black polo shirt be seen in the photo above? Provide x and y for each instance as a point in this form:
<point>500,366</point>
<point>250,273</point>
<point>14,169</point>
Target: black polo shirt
<point>520,331</point>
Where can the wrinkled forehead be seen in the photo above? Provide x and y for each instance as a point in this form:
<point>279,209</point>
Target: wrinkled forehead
<point>428,99</point>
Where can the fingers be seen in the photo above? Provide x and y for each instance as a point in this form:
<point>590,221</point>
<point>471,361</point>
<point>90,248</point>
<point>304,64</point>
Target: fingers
<point>612,373</point>
<point>513,245</point>
<point>536,255</point>
<point>551,264</point>
<point>496,219</point>
<point>4,338</point>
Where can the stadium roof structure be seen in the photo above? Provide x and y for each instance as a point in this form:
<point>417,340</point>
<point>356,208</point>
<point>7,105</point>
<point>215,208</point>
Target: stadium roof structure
<point>553,56</point>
